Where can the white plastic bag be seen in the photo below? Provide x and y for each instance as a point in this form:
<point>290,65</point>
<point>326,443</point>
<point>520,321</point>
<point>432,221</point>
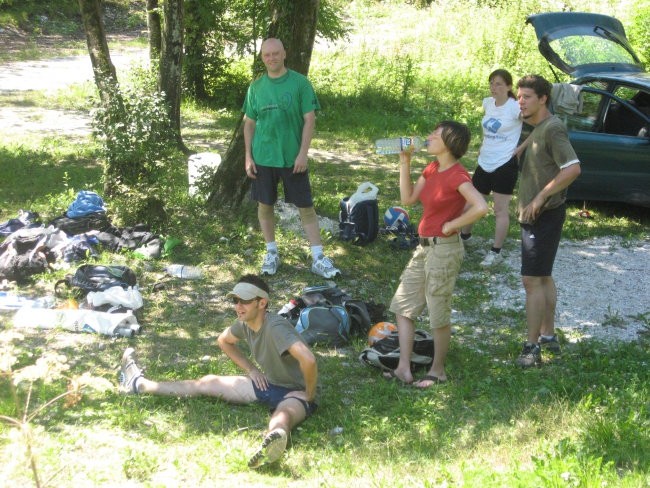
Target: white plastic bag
<point>365,191</point>
<point>111,324</point>
<point>116,295</point>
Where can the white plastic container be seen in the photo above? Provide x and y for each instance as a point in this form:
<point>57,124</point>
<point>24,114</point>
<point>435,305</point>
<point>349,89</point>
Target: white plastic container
<point>365,191</point>
<point>199,167</point>
<point>184,271</point>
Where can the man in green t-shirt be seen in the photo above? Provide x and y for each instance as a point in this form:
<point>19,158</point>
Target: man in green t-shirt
<point>280,115</point>
<point>548,167</point>
<point>282,373</point>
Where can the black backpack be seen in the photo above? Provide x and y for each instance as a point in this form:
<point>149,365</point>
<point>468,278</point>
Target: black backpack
<point>79,225</point>
<point>361,225</point>
<point>94,277</point>
<point>384,354</point>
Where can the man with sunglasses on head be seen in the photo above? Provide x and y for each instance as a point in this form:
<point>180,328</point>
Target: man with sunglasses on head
<point>281,374</point>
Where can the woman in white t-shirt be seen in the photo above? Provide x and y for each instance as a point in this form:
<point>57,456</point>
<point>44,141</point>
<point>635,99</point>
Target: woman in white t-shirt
<point>497,168</point>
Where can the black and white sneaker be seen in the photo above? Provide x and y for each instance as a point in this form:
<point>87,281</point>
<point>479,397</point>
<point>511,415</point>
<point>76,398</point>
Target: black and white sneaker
<point>274,444</point>
<point>531,355</point>
<point>550,344</point>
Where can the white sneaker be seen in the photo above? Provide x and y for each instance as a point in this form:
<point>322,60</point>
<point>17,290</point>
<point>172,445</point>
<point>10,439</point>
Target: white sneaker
<point>324,267</point>
<point>130,372</point>
<point>271,449</point>
<point>491,259</point>
<point>271,263</point>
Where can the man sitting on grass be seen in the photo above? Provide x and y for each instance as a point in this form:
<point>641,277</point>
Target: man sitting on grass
<point>286,382</point>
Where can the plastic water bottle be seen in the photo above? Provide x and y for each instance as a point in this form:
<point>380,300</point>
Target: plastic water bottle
<point>184,271</point>
<point>399,144</point>
<point>44,302</point>
<point>288,307</point>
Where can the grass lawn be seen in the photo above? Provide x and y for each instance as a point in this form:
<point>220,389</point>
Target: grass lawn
<point>581,420</point>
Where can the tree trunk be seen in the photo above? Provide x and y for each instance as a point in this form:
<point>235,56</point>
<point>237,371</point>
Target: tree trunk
<point>103,68</point>
<point>195,39</point>
<point>171,62</point>
<point>106,81</point>
<point>155,34</point>
<point>294,23</point>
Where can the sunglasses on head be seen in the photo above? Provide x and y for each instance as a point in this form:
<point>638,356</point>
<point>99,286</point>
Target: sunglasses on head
<point>237,301</point>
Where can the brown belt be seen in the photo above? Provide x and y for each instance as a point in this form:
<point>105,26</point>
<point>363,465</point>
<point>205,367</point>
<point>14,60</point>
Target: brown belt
<point>432,241</point>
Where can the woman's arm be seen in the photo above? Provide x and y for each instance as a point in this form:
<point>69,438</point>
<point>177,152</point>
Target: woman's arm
<point>474,209</point>
<point>408,192</point>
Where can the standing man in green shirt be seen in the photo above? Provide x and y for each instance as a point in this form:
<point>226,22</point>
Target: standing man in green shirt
<point>280,115</point>
<point>548,167</point>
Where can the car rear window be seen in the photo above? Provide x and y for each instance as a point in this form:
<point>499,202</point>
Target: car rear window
<point>581,50</point>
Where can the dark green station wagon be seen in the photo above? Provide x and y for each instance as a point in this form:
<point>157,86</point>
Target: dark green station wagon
<point>610,126</point>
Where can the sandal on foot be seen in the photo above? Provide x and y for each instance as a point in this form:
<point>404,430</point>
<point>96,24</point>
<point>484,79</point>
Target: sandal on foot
<point>433,379</point>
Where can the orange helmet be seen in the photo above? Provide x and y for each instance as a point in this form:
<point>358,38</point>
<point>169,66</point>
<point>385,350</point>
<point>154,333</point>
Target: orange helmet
<point>379,331</point>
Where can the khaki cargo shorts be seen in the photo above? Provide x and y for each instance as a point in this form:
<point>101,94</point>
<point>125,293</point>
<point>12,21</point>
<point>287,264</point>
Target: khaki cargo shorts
<point>429,280</point>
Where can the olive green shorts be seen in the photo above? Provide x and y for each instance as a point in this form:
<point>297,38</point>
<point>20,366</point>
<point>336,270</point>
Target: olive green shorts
<point>429,280</point>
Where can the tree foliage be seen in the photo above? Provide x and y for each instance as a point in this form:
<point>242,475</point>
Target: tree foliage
<point>220,32</point>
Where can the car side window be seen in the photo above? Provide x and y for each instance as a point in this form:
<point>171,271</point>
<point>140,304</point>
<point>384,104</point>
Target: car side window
<point>620,119</point>
<point>587,119</point>
<point>617,118</point>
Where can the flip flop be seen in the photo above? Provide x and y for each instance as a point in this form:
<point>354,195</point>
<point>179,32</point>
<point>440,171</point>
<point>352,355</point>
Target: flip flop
<point>434,381</point>
<point>390,375</point>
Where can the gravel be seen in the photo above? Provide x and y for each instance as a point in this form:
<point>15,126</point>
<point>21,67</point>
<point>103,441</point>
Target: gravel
<point>603,289</point>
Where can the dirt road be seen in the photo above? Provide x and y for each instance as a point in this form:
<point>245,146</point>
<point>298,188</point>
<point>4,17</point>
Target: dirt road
<point>49,76</point>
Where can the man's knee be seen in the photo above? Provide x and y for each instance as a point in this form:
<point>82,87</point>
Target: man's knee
<point>265,212</point>
<point>308,215</point>
<point>531,282</point>
<point>298,408</point>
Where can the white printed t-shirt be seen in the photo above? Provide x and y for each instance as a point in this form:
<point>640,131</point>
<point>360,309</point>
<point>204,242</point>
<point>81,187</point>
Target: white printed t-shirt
<point>501,131</point>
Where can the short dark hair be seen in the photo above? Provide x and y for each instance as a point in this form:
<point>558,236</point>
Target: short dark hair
<point>255,280</point>
<point>538,84</point>
<point>505,76</point>
<point>456,137</point>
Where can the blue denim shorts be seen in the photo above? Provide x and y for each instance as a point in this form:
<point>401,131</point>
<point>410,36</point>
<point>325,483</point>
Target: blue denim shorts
<point>274,394</point>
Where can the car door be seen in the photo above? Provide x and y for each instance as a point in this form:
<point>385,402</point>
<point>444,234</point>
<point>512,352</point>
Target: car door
<point>610,137</point>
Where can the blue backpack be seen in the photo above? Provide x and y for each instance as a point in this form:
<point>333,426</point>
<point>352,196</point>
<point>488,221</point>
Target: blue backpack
<point>324,325</point>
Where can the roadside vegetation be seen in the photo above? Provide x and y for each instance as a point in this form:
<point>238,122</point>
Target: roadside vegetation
<point>582,420</point>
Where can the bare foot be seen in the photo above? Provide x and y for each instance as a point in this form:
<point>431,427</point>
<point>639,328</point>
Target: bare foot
<point>397,375</point>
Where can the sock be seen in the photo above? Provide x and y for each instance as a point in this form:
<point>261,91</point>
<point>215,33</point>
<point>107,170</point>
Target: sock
<point>547,337</point>
<point>316,252</point>
<point>272,247</point>
<point>495,250</point>
<point>135,383</point>
<point>465,236</point>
